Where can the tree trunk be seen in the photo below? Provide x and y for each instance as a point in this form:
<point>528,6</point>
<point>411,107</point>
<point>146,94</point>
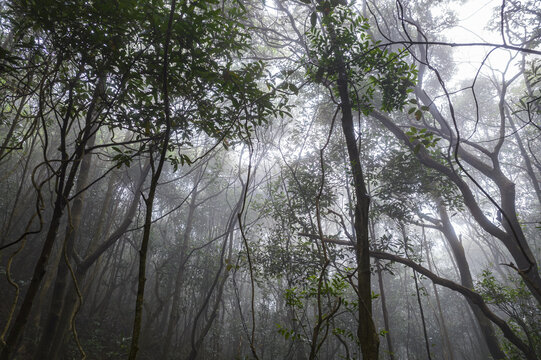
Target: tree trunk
<point>65,182</point>
<point>366,331</point>
<point>415,280</point>
<point>62,275</point>
<point>447,348</point>
<point>138,316</point>
<point>196,340</point>
<point>467,281</point>
<point>70,298</point>
<point>385,312</point>
<point>179,280</point>
<point>513,237</point>
<point>471,295</point>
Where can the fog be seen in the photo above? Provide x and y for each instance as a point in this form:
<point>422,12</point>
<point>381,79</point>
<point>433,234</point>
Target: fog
<point>270,180</point>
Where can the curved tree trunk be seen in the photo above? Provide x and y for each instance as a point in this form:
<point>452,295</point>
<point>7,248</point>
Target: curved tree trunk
<point>62,275</point>
<point>470,295</point>
<point>512,237</point>
<point>466,280</point>
<point>69,301</point>
<point>65,182</point>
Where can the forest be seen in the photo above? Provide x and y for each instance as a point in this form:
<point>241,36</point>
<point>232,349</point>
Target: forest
<point>270,179</point>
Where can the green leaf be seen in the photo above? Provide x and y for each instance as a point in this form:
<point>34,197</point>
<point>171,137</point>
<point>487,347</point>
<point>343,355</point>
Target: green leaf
<point>313,19</point>
<point>294,88</point>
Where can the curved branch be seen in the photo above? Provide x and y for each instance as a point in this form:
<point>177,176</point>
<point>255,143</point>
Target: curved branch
<point>471,295</point>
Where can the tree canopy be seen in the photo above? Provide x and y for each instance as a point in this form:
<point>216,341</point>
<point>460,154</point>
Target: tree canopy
<point>311,179</point>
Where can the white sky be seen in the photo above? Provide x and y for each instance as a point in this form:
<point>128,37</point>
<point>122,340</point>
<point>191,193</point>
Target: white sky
<point>474,17</point>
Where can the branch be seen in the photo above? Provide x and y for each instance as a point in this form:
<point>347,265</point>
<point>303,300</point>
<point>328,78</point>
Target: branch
<point>469,294</point>
<point>328,240</point>
<point>451,44</point>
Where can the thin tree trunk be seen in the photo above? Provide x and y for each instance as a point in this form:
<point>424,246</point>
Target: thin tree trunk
<point>529,168</point>
<point>65,182</point>
<point>62,275</point>
<point>179,280</point>
<point>512,237</point>
<point>197,340</point>
<point>469,294</point>
<point>7,225</point>
<point>421,310</point>
<point>466,280</point>
<point>366,331</point>
<point>385,311</point>
<point>138,318</point>
<point>448,349</point>
<point>70,298</point>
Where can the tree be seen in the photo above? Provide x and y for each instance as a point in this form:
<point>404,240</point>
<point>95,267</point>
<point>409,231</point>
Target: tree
<point>175,182</point>
<point>215,96</point>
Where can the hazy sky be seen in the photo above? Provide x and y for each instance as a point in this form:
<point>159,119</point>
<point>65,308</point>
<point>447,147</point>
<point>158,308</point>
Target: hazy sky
<point>474,17</point>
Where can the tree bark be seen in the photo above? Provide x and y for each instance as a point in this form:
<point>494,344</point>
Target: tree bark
<point>466,280</point>
<point>179,280</point>
<point>447,348</point>
<point>138,317</point>
<point>512,237</point>
<point>65,182</point>
<point>366,331</point>
<point>470,295</point>
<point>416,281</point>
<point>390,346</point>
<point>62,275</point>
<point>69,300</point>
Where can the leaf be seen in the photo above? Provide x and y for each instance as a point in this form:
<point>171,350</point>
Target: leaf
<point>313,19</point>
<point>418,114</point>
<point>293,88</point>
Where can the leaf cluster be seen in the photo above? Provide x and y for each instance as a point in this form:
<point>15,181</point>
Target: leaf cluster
<point>210,91</point>
<point>379,78</point>
<point>402,185</point>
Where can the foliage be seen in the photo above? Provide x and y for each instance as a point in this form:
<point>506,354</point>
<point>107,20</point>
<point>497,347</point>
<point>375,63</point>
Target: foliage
<point>531,100</point>
<point>377,75</point>
<point>333,290</point>
<point>72,68</point>
<point>423,138</point>
<point>403,186</point>
<point>210,91</point>
<point>515,300</point>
